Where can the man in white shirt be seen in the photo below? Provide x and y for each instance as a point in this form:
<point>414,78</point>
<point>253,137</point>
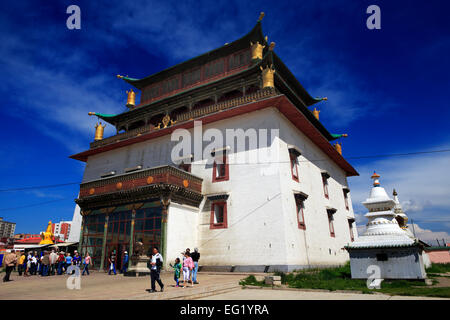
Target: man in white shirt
<point>156,264</point>
<point>53,258</point>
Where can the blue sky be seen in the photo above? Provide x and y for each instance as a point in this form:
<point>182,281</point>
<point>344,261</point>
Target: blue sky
<point>388,88</point>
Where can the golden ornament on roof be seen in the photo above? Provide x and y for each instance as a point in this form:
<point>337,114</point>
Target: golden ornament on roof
<point>257,50</point>
<point>131,98</point>
<point>99,128</point>
<point>267,76</point>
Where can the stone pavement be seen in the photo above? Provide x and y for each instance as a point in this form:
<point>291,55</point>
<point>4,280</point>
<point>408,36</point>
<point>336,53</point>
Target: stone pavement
<point>101,286</point>
<point>214,286</point>
<point>269,294</point>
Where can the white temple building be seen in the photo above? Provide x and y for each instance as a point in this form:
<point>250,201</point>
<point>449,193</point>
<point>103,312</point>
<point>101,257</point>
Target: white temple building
<point>387,241</point>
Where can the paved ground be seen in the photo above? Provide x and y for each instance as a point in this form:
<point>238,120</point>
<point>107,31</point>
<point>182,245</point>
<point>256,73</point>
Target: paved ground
<point>214,286</point>
<point>262,294</point>
<point>99,285</point>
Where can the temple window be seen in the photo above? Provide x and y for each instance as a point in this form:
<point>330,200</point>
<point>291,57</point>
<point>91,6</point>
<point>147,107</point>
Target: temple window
<point>346,191</point>
<point>350,227</point>
<point>300,206</point>
<point>294,153</point>
<point>218,217</point>
<point>239,60</point>
<point>325,177</point>
<point>214,68</point>
<point>170,85</point>
<point>220,166</point>
<point>191,77</point>
<point>330,213</point>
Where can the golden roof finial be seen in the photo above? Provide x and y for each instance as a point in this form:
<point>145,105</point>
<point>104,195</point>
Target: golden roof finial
<point>131,98</point>
<point>267,76</point>
<point>91,113</point>
<point>257,50</point>
<point>119,76</point>
<point>338,147</point>
<point>316,113</point>
<point>261,16</point>
<point>99,131</point>
<point>272,45</point>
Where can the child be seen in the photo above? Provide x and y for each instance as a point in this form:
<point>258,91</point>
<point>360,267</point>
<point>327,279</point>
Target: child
<point>177,270</point>
<point>188,265</point>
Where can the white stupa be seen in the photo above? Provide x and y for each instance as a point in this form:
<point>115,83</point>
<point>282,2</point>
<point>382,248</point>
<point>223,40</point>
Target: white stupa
<point>386,243</point>
<point>382,228</point>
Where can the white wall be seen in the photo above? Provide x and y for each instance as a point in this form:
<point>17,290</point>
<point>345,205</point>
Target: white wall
<point>182,230</point>
<point>262,223</point>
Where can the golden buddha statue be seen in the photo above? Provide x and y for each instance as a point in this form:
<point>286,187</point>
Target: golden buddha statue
<point>47,236</point>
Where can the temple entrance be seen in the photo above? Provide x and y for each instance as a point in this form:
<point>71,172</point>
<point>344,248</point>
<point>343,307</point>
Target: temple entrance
<point>147,228</point>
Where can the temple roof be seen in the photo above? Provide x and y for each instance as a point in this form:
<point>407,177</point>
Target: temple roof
<point>254,35</point>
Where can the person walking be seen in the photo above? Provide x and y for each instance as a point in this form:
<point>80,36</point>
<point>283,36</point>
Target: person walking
<point>20,267</point>
<point>155,270</point>
<point>177,271</point>
<point>188,265</point>
<point>68,262</point>
<point>53,262</point>
<point>27,265</point>
<point>39,261</point>
<point>125,263</point>
<point>195,257</point>
<point>34,264</point>
<point>86,262</point>
<point>10,261</point>
<point>76,259</point>
<point>45,264</point>
<point>61,263</point>
<point>112,263</point>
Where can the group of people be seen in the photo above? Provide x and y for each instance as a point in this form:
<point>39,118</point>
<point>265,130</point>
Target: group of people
<point>48,263</point>
<point>189,268</point>
<point>44,263</point>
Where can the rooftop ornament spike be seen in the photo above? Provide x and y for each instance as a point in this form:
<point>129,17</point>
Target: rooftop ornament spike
<point>261,16</point>
<point>375,178</point>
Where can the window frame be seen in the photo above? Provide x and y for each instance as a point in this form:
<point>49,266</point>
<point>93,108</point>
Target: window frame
<point>350,227</point>
<point>331,223</point>
<point>294,165</point>
<point>325,186</point>
<point>224,223</point>
<point>300,204</point>
<point>226,176</point>
<point>347,206</point>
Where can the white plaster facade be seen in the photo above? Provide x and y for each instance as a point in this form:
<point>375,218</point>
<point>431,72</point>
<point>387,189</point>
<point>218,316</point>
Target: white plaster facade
<point>261,211</point>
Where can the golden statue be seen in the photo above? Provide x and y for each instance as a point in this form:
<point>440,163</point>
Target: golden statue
<point>47,236</point>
